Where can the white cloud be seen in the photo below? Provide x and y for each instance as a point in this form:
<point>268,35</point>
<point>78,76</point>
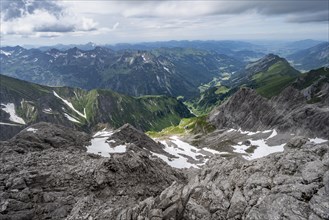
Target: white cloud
<point>42,22</point>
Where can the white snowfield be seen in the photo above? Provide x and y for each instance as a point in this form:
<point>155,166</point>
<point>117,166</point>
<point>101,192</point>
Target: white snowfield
<point>186,155</point>
<point>184,151</point>
<point>69,104</point>
<point>10,109</point>
<point>179,149</point>
<point>262,148</point>
<point>100,146</point>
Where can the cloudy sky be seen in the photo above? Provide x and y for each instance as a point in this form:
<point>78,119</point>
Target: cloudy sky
<point>48,22</point>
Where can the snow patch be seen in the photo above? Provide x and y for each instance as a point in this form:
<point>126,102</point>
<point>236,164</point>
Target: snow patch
<point>261,151</point>
<point>34,130</point>
<point>69,104</point>
<point>182,152</point>
<point>71,118</point>
<point>103,133</point>
<point>47,110</point>
<point>10,109</point>
<point>143,56</point>
<point>5,53</point>
<point>101,146</point>
<point>274,133</point>
<point>318,140</point>
<point>8,124</point>
<point>165,68</point>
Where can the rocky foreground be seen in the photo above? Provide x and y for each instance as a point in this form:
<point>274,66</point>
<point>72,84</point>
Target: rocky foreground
<point>45,173</point>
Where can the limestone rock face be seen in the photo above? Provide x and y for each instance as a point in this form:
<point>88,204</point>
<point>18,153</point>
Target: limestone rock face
<point>287,112</point>
<point>288,185</point>
<point>45,173</point>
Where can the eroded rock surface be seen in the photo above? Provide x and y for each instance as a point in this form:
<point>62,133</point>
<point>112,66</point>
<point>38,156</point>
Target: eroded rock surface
<point>287,112</point>
<point>45,173</point>
<point>288,185</point>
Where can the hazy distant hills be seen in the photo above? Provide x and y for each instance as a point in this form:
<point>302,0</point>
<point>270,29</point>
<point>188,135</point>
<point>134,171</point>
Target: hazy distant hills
<point>311,58</point>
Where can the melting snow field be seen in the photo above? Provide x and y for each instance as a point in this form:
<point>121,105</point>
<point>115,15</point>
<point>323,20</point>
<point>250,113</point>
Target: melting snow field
<point>10,109</point>
<point>99,145</point>
<point>186,155</point>
<point>261,151</point>
<point>183,151</point>
<point>262,148</point>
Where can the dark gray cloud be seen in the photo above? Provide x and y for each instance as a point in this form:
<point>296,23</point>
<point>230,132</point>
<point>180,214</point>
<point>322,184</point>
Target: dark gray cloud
<point>315,17</point>
<point>19,8</point>
<point>61,28</point>
<point>303,8</point>
<point>291,6</point>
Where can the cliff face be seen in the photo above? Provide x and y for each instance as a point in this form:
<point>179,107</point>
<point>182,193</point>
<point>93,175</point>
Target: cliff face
<point>288,111</point>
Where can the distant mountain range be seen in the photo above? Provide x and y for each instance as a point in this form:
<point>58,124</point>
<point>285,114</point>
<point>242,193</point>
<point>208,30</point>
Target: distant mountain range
<point>172,72</point>
<point>311,58</point>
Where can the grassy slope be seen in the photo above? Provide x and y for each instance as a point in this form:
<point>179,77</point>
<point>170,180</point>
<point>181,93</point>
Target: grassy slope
<point>187,125</point>
<point>274,80</point>
<point>102,106</point>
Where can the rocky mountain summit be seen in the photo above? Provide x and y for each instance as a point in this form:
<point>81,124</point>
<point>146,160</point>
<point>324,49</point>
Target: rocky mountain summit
<point>45,172</point>
<point>288,185</point>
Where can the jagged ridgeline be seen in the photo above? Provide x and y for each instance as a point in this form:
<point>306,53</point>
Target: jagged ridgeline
<point>24,103</point>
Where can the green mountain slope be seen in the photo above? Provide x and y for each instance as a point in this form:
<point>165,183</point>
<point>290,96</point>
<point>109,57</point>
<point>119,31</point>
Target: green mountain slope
<point>82,109</point>
<point>269,76</point>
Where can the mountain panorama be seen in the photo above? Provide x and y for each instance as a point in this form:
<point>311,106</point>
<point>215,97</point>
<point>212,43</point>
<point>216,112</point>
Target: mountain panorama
<point>164,110</point>
<point>171,130</point>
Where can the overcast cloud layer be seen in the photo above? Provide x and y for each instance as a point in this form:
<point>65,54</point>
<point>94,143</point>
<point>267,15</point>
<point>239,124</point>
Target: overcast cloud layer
<point>135,21</point>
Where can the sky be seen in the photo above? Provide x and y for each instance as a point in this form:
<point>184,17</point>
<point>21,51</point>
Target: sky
<point>49,22</point>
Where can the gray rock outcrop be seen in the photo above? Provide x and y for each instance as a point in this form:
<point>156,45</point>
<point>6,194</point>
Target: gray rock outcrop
<point>287,112</point>
<point>45,173</point>
<point>288,185</point>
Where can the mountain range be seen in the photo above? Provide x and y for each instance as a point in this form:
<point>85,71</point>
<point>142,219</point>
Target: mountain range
<point>255,146</point>
<point>172,72</point>
<point>24,103</point>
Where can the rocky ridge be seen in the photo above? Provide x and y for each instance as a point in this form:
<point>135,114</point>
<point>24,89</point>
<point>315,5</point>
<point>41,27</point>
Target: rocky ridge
<point>288,185</point>
<point>59,180</point>
<point>287,112</point>
<point>45,172</point>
